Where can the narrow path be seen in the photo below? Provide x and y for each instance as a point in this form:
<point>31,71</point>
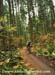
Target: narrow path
<point>35,64</point>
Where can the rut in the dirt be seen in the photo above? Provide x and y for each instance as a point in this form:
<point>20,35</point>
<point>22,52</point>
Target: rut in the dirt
<point>35,64</point>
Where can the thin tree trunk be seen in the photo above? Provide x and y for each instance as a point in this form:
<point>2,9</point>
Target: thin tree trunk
<point>30,21</point>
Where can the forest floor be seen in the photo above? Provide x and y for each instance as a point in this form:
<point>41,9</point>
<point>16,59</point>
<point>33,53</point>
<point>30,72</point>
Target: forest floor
<point>35,64</point>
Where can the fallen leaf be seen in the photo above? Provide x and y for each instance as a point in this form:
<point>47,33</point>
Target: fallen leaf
<point>1,62</point>
<point>7,60</point>
<point>16,66</point>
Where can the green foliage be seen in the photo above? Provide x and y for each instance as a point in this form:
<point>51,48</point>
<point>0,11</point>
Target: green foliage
<point>11,62</point>
<point>18,22</point>
<point>10,28</point>
<point>50,48</point>
<point>53,53</point>
<point>42,52</point>
<point>3,19</point>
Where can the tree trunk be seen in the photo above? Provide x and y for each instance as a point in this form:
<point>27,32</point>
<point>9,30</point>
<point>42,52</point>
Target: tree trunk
<point>30,21</point>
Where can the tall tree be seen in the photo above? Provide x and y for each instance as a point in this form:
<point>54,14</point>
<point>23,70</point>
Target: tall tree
<point>51,6</point>
<point>42,14</point>
<point>1,8</point>
<point>31,15</point>
<point>52,13</point>
<point>2,31</point>
<point>11,11</point>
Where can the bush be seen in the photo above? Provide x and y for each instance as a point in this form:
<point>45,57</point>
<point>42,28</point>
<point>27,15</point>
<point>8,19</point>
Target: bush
<point>50,48</point>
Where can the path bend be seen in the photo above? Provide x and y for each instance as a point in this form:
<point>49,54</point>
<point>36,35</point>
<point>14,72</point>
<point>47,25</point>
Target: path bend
<point>35,64</point>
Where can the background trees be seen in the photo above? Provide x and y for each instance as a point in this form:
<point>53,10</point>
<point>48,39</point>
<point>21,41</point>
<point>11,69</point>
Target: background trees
<point>23,20</point>
<point>27,18</point>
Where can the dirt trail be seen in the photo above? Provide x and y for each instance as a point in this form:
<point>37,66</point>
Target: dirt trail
<point>35,64</point>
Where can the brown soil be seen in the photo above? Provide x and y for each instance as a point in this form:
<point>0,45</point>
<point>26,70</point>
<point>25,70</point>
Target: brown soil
<point>35,64</point>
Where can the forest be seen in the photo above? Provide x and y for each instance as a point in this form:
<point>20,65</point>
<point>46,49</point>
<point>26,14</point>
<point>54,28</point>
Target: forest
<point>22,21</point>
